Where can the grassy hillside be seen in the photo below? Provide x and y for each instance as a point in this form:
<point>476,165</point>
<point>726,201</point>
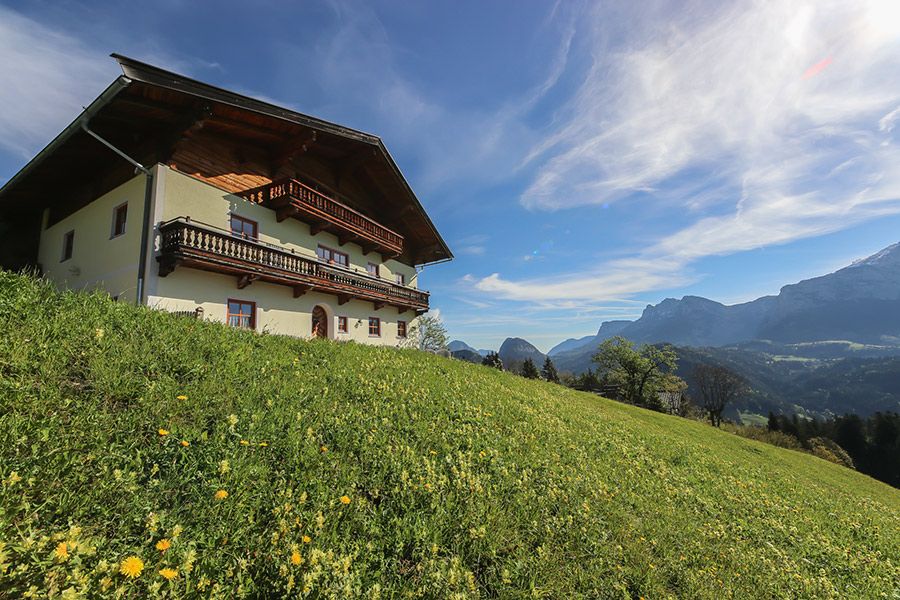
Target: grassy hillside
<point>354,471</point>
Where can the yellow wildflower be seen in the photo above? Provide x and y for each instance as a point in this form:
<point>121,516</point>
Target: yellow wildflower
<point>306,539</point>
<point>185,443</point>
<point>263,444</point>
<point>131,567</point>
<point>168,573</point>
<point>181,397</point>
<point>221,495</point>
<point>345,499</point>
<point>62,551</point>
<point>324,448</point>
<point>163,545</point>
<point>296,559</point>
<point>163,432</point>
<point>245,443</point>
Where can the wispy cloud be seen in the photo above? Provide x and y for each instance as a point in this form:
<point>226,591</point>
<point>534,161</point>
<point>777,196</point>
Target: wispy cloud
<point>357,65</point>
<point>51,70</point>
<point>473,245</point>
<point>788,107</point>
<point>47,77</point>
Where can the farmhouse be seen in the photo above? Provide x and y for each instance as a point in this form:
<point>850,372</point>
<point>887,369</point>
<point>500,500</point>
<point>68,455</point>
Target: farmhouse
<point>175,194</point>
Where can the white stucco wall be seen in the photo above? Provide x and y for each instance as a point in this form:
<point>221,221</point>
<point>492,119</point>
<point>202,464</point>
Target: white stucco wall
<point>98,260</point>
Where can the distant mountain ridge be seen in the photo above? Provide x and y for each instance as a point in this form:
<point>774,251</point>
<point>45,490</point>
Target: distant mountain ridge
<point>514,351</point>
<point>460,346</point>
<point>859,303</point>
<point>607,330</point>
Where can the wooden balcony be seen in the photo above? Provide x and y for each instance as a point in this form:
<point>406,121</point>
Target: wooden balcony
<point>199,246</point>
<point>290,198</point>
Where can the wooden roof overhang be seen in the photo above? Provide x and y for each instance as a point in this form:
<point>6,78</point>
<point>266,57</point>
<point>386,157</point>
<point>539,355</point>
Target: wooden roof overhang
<point>149,112</point>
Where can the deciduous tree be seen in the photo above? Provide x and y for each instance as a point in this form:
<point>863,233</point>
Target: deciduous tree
<point>639,371</point>
<point>429,333</point>
<point>719,387</point>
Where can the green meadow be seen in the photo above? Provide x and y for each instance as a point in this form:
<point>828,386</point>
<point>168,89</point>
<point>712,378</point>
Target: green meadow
<point>148,455</point>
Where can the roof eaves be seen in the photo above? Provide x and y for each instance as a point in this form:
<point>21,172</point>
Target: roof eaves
<point>152,75</point>
<point>415,199</point>
<point>102,100</point>
<point>145,73</point>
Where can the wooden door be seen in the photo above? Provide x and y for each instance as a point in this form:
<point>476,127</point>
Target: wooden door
<point>319,322</point>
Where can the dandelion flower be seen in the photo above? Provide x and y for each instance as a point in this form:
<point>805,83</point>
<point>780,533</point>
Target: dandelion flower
<point>306,539</point>
<point>163,432</point>
<point>296,559</point>
<point>345,499</point>
<point>163,545</point>
<point>245,443</point>
<point>181,397</point>
<point>221,495</point>
<point>62,551</point>
<point>168,573</point>
<point>185,443</point>
<point>324,448</point>
<point>131,567</point>
<point>263,444</point>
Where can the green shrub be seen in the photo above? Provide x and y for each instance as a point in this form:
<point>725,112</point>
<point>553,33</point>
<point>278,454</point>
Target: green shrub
<point>830,450</point>
<point>762,434</point>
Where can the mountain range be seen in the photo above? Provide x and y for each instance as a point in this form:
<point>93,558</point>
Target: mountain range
<point>859,304</point>
<point>779,343</point>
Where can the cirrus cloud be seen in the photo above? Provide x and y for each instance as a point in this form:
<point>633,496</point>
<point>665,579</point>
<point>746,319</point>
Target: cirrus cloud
<point>788,107</point>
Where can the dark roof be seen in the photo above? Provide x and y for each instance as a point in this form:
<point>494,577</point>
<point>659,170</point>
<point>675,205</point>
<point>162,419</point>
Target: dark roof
<point>146,108</point>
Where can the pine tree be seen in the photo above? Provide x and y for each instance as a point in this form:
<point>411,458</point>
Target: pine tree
<point>529,371</point>
<point>548,371</point>
<point>492,360</point>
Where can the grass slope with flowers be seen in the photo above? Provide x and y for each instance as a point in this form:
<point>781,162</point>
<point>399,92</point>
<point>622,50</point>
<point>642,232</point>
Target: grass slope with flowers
<point>148,455</point>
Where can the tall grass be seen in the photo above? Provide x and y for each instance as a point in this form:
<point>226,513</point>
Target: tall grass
<point>208,462</point>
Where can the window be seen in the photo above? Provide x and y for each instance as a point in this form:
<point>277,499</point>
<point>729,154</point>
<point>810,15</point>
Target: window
<point>241,314</point>
<point>400,278</point>
<point>374,327</point>
<point>342,325</point>
<point>120,214</point>
<point>244,228</point>
<point>68,245</point>
<point>332,256</point>
<point>401,329</point>
<point>372,269</point>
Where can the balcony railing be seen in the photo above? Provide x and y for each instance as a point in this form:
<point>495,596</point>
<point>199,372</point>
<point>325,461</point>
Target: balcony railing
<point>290,198</point>
<point>200,246</point>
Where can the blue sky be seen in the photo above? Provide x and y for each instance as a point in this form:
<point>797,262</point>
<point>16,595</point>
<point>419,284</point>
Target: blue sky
<point>581,159</point>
